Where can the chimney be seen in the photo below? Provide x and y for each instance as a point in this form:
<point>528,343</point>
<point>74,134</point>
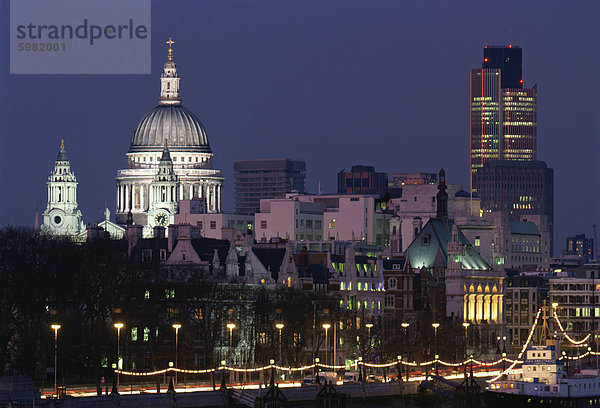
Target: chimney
<point>133,234</point>
<point>159,232</point>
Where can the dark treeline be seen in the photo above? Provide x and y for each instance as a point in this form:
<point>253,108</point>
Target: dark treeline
<point>49,280</point>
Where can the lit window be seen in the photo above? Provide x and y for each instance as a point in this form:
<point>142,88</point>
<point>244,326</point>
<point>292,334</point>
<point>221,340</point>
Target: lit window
<point>134,333</point>
<point>147,294</point>
<point>146,333</point>
<point>332,223</point>
<point>477,241</point>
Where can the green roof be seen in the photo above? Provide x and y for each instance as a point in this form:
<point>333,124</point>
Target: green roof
<point>523,228</point>
<point>433,240</point>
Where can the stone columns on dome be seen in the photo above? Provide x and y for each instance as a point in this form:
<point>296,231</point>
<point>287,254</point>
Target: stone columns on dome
<point>219,187</point>
<point>142,206</point>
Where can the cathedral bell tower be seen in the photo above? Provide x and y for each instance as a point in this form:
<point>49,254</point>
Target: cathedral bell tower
<point>164,191</point>
<point>62,215</point>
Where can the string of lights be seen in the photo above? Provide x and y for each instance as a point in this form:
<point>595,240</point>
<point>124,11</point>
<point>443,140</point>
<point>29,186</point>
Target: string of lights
<point>513,363</point>
<point>562,330</point>
<point>317,365</point>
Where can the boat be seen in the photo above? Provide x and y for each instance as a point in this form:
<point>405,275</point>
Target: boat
<point>544,381</point>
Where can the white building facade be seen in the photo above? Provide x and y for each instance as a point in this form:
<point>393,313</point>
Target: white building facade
<point>62,215</point>
<point>171,123</point>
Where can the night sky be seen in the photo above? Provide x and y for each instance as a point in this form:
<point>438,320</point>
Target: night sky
<point>337,83</point>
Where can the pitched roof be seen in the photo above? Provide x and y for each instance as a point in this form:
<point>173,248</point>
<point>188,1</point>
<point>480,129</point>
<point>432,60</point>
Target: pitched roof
<point>271,258</point>
<point>205,248</point>
<point>432,243</point>
<point>318,273</point>
<point>388,264</point>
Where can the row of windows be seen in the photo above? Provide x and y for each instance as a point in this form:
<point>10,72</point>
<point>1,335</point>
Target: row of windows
<point>144,333</point>
<point>168,293</point>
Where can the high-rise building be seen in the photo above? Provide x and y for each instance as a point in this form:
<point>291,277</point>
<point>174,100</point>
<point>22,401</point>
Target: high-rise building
<point>509,60</point>
<point>362,180</point>
<point>503,112</point>
<point>254,180</point>
<point>518,188</point>
<point>581,246</point>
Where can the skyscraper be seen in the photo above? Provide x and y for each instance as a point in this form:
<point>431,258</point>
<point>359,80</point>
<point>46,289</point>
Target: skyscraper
<point>519,189</point>
<point>503,112</point>
<point>254,180</point>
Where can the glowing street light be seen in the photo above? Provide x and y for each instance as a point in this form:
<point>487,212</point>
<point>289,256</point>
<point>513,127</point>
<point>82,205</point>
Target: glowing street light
<point>435,327</point>
<point>466,326</point>
<point>231,326</point>
<point>55,327</point>
<point>176,326</point>
<point>279,326</point>
<point>405,327</point>
<point>326,326</point>
<point>118,326</point>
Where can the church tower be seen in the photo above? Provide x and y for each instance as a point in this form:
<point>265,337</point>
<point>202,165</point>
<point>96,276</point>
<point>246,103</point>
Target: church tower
<point>163,192</point>
<point>62,215</point>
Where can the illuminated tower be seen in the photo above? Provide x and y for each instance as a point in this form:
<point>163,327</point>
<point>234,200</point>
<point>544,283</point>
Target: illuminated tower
<point>62,215</point>
<point>503,112</point>
<point>163,192</point>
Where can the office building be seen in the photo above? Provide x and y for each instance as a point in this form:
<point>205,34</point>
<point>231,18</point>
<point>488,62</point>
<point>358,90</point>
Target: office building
<point>518,188</point>
<point>503,113</point>
<point>580,246</point>
<point>509,60</point>
<point>254,180</point>
<point>362,180</point>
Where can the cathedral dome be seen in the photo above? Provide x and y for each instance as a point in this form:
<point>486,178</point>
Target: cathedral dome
<point>180,127</point>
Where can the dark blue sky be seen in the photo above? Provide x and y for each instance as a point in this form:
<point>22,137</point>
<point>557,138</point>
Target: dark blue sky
<point>335,83</point>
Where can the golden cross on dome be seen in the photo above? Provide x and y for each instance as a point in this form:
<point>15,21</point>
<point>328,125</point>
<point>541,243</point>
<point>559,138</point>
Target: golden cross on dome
<point>170,42</point>
<point>62,144</point>
<point>166,144</point>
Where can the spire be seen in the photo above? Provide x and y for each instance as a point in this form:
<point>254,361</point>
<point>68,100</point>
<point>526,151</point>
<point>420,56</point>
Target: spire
<point>442,196</point>
<point>62,153</point>
<point>166,155</point>
<point>169,80</point>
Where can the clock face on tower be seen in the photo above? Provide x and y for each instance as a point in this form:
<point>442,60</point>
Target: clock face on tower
<point>161,219</point>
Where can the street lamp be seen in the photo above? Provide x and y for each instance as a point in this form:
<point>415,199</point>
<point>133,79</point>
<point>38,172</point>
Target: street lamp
<point>118,326</point>
<point>405,327</point>
<point>279,326</point>
<point>368,326</point>
<point>177,326</point>
<point>435,327</point>
<point>231,326</point>
<point>466,326</point>
<point>55,327</point>
<point>326,326</point>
